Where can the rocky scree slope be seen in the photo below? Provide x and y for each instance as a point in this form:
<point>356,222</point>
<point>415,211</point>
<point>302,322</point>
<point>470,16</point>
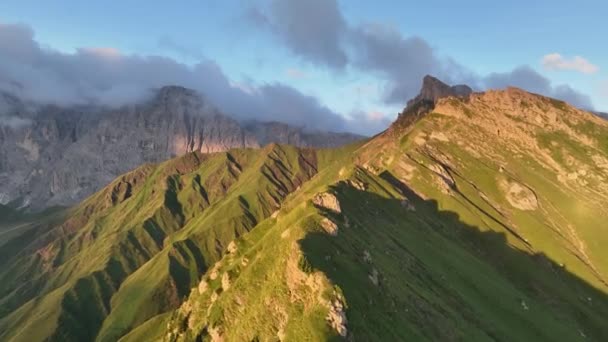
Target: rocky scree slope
<point>471,218</point>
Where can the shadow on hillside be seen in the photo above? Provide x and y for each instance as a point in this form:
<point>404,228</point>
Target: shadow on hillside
<point>425,274</point>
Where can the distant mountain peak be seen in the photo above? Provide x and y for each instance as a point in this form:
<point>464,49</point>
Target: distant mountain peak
<point>175,101</point>
<point>433,89</point>
<point>601,115</point>
<point>172,90</point>
<point>178,95</point>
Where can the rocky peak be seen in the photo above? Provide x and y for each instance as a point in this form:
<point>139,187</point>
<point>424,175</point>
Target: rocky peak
<point>178,99</point>
<point>433,90</point>
<point>172,91</point>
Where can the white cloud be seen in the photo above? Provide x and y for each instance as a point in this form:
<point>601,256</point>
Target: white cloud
<point>295,74</point>
<point>106,76</point>
<point>375,116</point>
<point>555,61</point>
<point>312,29</point>
<point>102,52</point>
<point>374,120</point>
<point>527,78</point>
<point>399,61</point>
<point>14,122</point>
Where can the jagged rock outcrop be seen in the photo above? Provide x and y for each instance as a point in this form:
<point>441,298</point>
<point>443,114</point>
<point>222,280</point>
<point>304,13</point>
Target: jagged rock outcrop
<point>51,155</point>
<point>328,201</point>
<point>433,90</point>
<point>329,226</point>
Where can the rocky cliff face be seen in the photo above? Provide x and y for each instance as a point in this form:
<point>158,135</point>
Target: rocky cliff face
<point>433,90</point>
<point>51,155</point>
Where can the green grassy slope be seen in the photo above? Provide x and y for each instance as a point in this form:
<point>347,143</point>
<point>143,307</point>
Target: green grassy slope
<point>433,242</point>
<point>399,274</point>
<point>134,249</point>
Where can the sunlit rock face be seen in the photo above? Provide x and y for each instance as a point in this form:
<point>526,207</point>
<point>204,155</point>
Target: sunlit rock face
<point>433,90</point>
<point>52,155</point>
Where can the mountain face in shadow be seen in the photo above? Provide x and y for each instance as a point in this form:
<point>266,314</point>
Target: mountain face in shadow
<point>51,155</point>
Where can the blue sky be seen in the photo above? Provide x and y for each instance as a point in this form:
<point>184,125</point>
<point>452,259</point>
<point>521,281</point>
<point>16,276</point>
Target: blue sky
<point>480,37</point>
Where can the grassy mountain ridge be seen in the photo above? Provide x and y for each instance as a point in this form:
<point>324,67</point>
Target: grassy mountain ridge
<point>132,229</point>
<point>477,218</point>
<point>437,239</point>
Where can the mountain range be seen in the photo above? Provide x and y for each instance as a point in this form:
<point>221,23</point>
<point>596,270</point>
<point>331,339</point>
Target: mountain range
<point>473,217</point>
<point>58,155</point>
<point>602,115</point>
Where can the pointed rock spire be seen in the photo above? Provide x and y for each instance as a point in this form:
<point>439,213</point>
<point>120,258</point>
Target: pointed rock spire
<point>433,90</point>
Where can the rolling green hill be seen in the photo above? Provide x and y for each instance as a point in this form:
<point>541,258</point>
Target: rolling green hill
<point>474,219</point>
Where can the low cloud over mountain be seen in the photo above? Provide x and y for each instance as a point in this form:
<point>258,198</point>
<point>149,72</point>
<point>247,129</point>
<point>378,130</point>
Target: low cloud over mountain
<point>106,76</point>
<point>402,61</point>
<point>109,77</point>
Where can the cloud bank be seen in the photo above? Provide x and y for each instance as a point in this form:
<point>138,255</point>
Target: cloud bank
<point>555,61</point>
<point>399,60</point>
<point>402,61</point>
<point>526,78</point>
<point>312,29</point>
<point>105,76</point>
<point>315,31</point>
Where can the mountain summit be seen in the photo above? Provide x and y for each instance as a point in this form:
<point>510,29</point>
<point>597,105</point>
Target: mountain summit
<point>433,89</point>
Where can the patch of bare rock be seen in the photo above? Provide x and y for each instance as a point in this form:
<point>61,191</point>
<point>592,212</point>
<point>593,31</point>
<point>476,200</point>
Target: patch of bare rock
<point>405,203</point>
<point>357,184</point>
<point>519,196</point>
<point>337,318</point>
<point>329,226</point>
<point>445,181</point>
<point>328,201</point>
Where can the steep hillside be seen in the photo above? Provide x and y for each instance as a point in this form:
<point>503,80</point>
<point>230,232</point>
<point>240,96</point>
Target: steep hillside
<point>464,221</point>
<point>479,217</point>
<point>134,249</point>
